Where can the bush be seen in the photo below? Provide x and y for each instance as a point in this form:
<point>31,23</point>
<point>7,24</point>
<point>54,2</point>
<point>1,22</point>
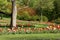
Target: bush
<point>25,16</point>
<point>35,18</point>
<point>57,21</point>
<point>44,18</point>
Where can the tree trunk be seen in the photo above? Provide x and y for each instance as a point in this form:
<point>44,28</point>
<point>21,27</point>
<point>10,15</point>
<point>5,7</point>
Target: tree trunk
<point>13,14</point>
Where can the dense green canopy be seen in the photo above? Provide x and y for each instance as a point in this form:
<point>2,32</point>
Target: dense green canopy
<point>49,8</point>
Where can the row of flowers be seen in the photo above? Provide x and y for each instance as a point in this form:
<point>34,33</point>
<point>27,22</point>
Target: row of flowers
<point>15,29</point>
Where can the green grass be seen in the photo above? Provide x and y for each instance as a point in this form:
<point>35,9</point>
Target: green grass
<point>30,37</point>
<point>5,21</point>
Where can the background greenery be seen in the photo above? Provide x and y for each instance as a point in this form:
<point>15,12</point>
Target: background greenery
<point>33,9</point>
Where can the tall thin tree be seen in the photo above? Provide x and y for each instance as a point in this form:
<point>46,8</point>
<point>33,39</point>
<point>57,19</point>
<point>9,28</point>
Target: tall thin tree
<point>13,14</point>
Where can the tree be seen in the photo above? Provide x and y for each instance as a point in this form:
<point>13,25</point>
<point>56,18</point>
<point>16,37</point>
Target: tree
<point>42,7</point>
<point>3,6</point>
<point>14,14</point>
<point>57,8</point>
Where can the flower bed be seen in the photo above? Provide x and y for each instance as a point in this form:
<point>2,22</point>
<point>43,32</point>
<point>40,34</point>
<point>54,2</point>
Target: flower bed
<point>29,30</point>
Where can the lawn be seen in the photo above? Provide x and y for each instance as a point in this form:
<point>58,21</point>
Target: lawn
<point>30,37</point>
<point>6,21</point>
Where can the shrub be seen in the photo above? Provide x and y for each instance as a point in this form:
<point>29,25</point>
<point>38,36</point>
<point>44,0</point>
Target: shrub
<point>25,16</point>
<point>57,21</point>
<point>44,18</point>
<point>35,18</point>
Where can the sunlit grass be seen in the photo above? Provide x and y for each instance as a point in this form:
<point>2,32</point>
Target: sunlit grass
<point>30,37</point>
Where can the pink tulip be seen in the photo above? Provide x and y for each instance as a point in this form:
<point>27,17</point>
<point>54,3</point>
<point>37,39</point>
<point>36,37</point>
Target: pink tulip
<point>1,29</point>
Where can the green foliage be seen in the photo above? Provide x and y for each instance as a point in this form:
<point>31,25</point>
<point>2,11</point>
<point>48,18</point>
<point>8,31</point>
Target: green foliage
<point>25,16</point>
<point>3,6</point>
<point>44,18</point>
<point>57,21</point>
<point>41,26</point>
<point>49,8</point>
<point>35,18</point>
<point>1,16</point>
